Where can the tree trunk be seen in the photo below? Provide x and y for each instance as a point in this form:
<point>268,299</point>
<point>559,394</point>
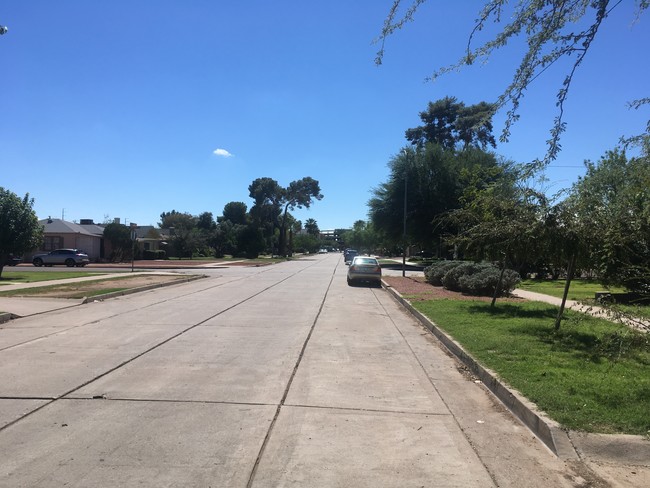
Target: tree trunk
<point>569,277</point>
<point>496,288</point>
<point>282,244</point>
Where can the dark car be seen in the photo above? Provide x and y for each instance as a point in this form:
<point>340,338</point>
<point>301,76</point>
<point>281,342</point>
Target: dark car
<point>348,254</point>
<point>69,257</point>
<point>12,260</point>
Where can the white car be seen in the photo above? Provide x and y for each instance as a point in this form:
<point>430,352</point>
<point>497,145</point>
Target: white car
<point>69,257</point>
<point>364,268</point>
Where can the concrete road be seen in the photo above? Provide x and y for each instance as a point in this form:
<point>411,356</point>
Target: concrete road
<point>254,377</point>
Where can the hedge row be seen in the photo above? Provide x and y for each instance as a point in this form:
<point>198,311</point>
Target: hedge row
<point>149,254</point>
<point>471,278</point>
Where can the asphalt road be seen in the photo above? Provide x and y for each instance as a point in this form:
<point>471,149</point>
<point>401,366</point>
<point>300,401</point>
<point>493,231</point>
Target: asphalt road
<point>262,377</point>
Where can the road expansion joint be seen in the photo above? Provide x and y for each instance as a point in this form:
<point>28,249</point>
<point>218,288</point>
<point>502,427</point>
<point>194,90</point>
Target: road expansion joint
<point>270,430</point>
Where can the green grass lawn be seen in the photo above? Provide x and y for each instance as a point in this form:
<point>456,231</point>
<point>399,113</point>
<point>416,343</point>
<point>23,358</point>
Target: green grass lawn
<point>591,375</point>
<point>579,289</point>
<point>34,276</point>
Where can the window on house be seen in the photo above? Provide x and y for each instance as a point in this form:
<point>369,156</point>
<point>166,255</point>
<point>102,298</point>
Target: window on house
<point>52,242</point>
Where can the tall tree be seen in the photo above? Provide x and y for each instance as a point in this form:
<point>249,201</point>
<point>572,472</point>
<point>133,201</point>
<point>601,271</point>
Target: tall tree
<point>433,179</point>
<point>267,196</point>
<point>450,123</point>
<point>311,226</point>
<point>300,193</point>
<point>553,29</point>
<point>235,212</point>
<point>362,237</point>
<point>20,231</point>
<point>119,236</point>
<point>205,222</point>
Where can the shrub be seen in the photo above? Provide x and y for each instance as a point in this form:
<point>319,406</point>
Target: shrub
<point>451,278</point>
<point>151,254</point>
<point>437,270</point>
<point>485,281</point>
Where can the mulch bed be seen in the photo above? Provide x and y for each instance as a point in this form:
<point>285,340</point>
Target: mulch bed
<point>418,290</point>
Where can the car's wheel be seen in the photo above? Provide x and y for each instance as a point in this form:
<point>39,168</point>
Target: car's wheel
<point>37,262</point>
<point>70,263</point>
<point>349,282</point>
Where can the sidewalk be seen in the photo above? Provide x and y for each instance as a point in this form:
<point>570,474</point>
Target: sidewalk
<point>600,312</point>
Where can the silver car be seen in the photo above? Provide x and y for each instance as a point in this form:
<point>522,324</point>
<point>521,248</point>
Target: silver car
<point>364,268</point>
<point>69,257</point>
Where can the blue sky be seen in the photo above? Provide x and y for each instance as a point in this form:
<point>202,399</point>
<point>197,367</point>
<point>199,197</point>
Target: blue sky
<point>115,109</point>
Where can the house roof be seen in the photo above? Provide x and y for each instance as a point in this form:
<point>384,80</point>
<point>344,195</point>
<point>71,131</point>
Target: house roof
<point>58,226</point>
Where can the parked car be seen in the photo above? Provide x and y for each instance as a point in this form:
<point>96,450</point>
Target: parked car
<point>364,268</point>
<point>348,254</point>
<point>12,260</point>
<point>69,257</point>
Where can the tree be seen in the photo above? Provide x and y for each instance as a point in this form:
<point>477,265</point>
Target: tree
<point>362,237</point>
<point>449,123</point>
<point>612,201</point>
<point>311,226</point>
<point>267,195</point>
<point>235,212</point>
<point>185,237</point>
<point>177,220</point>
<point>119,236</point>
<point>205,222</point>
<point>20,231</point>
<point>433,179</point>
<point>300,193</point>
<point>548,29</point>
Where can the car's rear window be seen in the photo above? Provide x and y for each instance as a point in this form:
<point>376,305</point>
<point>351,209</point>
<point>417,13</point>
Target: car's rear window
<point>365,261</point>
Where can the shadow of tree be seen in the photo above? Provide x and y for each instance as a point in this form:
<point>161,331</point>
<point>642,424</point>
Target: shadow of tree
<point>574,337</point>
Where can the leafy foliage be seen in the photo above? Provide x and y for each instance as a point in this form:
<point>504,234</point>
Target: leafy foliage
<point>450,123</point>
<point>119,236</point>
<point>612,203</point>
<point>434,179</point>
<point>553,30</point>
<point>20,231</point>
<point>471,278</point>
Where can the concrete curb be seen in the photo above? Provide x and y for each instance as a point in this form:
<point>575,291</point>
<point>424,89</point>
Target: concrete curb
<point>547,430</point>
<point>130,291</point>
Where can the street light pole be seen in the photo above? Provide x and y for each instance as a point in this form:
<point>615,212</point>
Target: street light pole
<point>404,231</point>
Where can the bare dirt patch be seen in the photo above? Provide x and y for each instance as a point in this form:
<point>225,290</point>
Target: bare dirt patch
<point>416,289</point>
<point>96,287</point>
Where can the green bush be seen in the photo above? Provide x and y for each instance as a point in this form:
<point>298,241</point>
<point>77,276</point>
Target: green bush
<point>438,270</point>
<point>451,279</point>
<point>485,281</point>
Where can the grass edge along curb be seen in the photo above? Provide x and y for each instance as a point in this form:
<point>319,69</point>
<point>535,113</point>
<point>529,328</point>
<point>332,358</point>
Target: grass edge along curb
<point>546,429</point>
<point>129,291</point>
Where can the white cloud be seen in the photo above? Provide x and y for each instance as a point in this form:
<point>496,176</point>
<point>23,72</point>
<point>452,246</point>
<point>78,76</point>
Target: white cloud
<point>222,153</point>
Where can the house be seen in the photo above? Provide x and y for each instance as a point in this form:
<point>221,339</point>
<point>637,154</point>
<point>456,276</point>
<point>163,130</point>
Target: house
<point>150,238</point>
<point>86,236</point>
